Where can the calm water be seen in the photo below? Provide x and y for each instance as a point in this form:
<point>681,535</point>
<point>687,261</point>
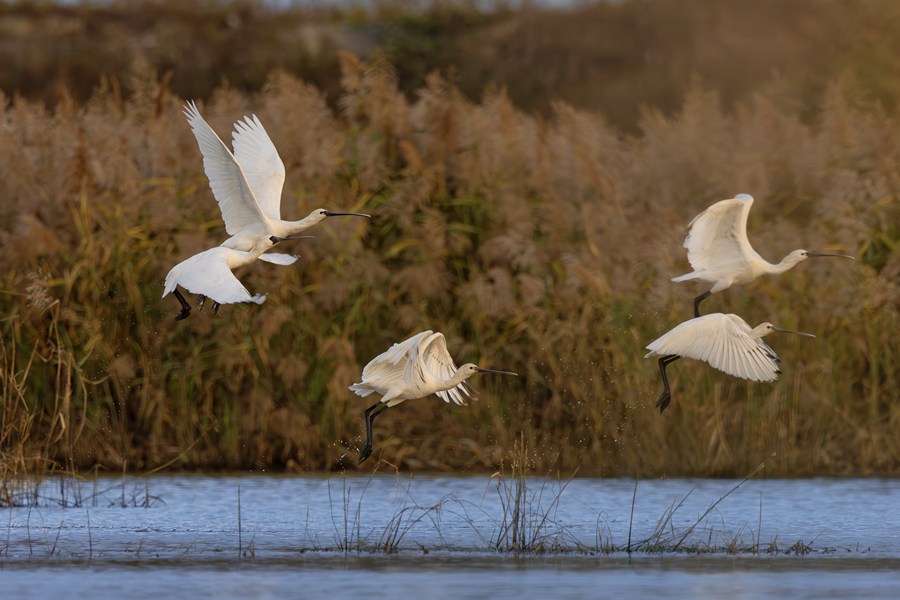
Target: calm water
<point>185,542</point>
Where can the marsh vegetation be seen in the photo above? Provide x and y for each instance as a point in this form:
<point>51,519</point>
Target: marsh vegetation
<point>541,242</point>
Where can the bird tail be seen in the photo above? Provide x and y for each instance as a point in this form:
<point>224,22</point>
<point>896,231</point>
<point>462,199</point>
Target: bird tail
<point>361,389</point>
<point>687,277</point>
<point>259,298</point>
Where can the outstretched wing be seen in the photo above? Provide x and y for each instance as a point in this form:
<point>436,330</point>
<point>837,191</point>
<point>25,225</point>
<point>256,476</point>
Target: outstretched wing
<point>278,259</point>
<point>386,369</point>
<point>262,166</point>
<point>718,236</point>
<point>208,274</point>
<point>240,210</point>
<point>718,340</point>
<point>440,365</point>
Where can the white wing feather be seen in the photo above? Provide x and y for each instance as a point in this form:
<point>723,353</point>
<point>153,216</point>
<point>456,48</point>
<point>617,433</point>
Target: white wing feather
<point>240,210</point>
<point>262,166</point>
<point>440,365</point>
<point>716,339</point>
<point>278,259</point>
<point>386,369</point>
<point>208,274</point>
<point>718,236</point>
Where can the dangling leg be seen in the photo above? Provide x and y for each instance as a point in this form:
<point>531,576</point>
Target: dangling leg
<point>663,401</point>
<point>367,449</point>
<point>185,307</point>
<point>216,309</point>
<point>697,302</point>
<point>200,301</point>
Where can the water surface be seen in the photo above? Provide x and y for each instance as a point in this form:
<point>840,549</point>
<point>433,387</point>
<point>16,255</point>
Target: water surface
<point>178,535</point>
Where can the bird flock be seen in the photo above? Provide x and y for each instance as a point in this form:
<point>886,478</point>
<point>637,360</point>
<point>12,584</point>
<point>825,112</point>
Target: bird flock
<point>721,254</point>
<point>247,185</point>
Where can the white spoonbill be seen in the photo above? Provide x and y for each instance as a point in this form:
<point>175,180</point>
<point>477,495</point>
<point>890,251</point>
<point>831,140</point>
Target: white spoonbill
<point>413,369</point>
<point>209,274</point>
<point>247,185</point>
<point>726,342</point>
<point>721,254</point>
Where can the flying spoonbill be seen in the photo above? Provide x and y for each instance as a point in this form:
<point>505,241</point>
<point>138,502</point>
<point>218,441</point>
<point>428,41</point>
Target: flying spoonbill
<point>209,274</point>
<point>413,369</point>
<point>721,254</point>
<point>247,185</point>
<point>726,342</point>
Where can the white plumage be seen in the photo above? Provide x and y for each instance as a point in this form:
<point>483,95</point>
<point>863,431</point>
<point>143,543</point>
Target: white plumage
<point>726,342</point>
<point>720,252</point>
<point>414,369</point>
<point>248,184</point>
<point>209,274</point>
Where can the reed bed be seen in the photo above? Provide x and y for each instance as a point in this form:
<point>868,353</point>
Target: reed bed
<point>537,244</point>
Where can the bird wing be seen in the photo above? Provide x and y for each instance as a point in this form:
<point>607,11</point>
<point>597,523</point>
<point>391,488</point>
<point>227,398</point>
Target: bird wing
<point>718,235</point>
<point>719,341</point>
<point>386,370</point>
<point>240,210</point>
<point>262,166</point>
<point>208,274</point>
<point>440,365</point>
<point>279,259</point>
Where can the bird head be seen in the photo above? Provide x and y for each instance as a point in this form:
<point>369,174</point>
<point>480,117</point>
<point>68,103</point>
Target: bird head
<point>764,329</point>
<point>469,369</point>
<point>320,214</point>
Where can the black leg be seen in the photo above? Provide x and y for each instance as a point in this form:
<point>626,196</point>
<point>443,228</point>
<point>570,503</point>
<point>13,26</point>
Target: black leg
<point>216,309</point>
<point>663,401</point>
<point>370,418</point>
<point>185,307</point>
<point>697,302</point>
<point>200,301</point>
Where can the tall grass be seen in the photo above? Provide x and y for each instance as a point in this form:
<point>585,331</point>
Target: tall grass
<point>541,245</point>
<point>610,57</point>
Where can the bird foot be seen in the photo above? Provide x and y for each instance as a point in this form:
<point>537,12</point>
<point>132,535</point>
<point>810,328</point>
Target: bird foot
<point>200,302</point>
<point>216,309</point>
<point>364,453</point>
<point>663,401</point>
<point>184,314</point>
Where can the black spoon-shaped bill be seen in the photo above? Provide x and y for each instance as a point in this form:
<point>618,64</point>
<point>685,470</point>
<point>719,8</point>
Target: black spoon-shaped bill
<point>492,371</point>
<point>789,331</point>
<point>275,239</point>
<point>328,213</point>
<point>837,255</point>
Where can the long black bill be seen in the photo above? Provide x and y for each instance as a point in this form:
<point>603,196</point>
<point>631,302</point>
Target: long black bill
<point>328,213</point>
<point>838,255</point>
<point>277,239</point>
<point>789,331</point>
<point>492,371</point>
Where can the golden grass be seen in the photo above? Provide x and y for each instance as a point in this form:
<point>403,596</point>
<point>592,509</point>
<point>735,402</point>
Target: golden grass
<point>540,245</point>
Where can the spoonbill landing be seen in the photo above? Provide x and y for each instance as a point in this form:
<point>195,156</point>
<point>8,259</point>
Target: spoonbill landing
<point>726,342</point>
<point>413,369</point>
<point>209,274</point>
<point>247,185</point>
<point>721,254</point>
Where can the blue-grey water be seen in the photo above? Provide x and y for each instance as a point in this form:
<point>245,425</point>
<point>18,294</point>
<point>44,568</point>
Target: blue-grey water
<point>179,536</point>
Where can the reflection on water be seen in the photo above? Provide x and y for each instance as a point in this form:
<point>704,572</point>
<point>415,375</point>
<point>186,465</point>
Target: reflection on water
<point>189,533</point>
